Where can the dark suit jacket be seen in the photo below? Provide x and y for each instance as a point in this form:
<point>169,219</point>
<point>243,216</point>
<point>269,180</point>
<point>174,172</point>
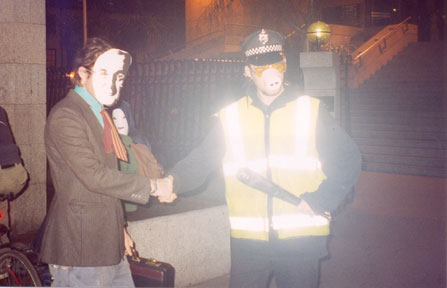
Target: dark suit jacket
<point>85,221</point>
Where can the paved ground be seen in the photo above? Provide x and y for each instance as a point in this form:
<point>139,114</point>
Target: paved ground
<point>375,251</point>
<point>380,251</point>
<point>388,248</point>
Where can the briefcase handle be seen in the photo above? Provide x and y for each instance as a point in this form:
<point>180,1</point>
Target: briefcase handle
<point>135,257</point>
<point>149,261</point>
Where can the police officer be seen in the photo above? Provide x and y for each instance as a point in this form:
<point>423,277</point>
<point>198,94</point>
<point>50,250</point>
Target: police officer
<point>291,140</point>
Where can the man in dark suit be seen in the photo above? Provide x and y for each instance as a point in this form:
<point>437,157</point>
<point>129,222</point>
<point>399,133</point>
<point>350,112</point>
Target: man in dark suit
<point>83,241</point>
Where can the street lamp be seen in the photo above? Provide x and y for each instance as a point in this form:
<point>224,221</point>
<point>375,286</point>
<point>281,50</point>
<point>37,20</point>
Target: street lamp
<point>84,18</point>
<point>319,33</point>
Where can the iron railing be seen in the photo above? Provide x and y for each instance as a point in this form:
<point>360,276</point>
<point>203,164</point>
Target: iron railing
<point>172,101</point>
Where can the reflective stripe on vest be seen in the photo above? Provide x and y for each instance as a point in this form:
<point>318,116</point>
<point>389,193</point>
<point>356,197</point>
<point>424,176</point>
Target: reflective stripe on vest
<point>280,222</point>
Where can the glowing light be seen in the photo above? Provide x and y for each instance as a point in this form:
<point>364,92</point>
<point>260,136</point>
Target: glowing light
<point>71,75</point>
<point>318,32</point>
<point>394,10</point>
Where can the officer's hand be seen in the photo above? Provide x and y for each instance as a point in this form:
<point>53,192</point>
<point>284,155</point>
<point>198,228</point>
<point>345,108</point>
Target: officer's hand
<point>165,189</point>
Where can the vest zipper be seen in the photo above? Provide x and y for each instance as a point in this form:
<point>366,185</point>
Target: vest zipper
<point>268,171</point>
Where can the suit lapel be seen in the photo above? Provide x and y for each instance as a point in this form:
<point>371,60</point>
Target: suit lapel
<point>96,129</point>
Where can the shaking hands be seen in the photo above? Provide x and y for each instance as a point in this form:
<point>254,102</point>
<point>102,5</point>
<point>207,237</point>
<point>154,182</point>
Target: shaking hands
<point>164,189</point>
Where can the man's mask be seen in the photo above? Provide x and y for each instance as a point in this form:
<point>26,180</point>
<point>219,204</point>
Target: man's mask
<point>108,74</point>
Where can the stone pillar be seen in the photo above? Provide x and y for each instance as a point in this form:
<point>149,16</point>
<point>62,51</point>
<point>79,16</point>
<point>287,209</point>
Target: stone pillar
<point>322,78</point>
<point>23,95</point>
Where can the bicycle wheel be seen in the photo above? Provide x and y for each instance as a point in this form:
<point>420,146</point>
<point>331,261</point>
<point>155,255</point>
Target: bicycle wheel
<point>16,269</point>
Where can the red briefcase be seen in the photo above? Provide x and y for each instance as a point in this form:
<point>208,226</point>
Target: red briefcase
<point>151,273</point>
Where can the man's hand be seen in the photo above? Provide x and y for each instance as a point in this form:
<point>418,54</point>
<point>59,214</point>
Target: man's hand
<point>165,189</point>
<point>128,244</point>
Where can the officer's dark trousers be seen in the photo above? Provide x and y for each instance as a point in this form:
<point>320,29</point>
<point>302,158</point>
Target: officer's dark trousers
<point>292,263</point>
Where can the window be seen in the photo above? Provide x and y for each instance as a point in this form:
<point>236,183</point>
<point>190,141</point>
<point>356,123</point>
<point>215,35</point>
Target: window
<point>343,15</point>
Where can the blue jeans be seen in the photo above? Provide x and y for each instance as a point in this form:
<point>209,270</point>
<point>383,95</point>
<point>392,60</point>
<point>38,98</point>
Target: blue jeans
<point>103,276</point>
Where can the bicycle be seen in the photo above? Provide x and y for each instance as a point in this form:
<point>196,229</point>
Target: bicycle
<point>16,269</point>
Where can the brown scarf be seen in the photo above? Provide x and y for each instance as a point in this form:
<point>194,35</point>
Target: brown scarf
<point>112,141</point>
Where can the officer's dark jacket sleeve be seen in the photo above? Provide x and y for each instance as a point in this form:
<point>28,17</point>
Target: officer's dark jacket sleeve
<point>9,152</point>
<point>341,162</point>
<point>193,170</point>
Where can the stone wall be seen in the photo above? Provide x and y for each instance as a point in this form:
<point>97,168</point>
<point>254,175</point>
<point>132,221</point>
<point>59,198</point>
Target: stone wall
<point>23,95</point>
<point>196,243</point>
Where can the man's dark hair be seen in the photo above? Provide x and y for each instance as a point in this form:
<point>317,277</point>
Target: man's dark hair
<point>86,57</point>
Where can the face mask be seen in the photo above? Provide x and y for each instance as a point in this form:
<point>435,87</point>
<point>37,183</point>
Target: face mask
<point>272,78</point>
<point>108,76</point>
<point>270,83</point>
<point>120,121</point>
<point>269,79</point>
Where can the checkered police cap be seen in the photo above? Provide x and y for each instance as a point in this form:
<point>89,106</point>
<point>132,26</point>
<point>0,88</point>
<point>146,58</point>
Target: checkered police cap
<point>263,47</point>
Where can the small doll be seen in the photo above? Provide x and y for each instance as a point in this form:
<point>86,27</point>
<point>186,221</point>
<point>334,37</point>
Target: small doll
<point>141,160</point>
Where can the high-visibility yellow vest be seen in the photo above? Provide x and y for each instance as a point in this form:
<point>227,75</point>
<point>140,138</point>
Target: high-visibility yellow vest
<point>293,162</point>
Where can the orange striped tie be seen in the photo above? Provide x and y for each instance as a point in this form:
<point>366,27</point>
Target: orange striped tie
<point>112,141</point>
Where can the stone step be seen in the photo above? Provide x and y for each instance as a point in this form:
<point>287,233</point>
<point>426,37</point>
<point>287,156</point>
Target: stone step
<point>400,135</point>
<point>395,128</point>
<point>404,169</point>
<point>404,160</point>
<point>418,46</point>
<point>401,70</point>
<point>400,59</point>
<point>398,120</point>
<point>436,53</point>
<point>405,83</point>
<point>398,116</point>
<point>413,115</point>
<point>404,151</point>
<point>396,99</point>
<point>415,60</point>
<point>400,62</point>
<point>403,91</point>
<point>412,87</point>
<point>404,143</point>
<point>359,106</point>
